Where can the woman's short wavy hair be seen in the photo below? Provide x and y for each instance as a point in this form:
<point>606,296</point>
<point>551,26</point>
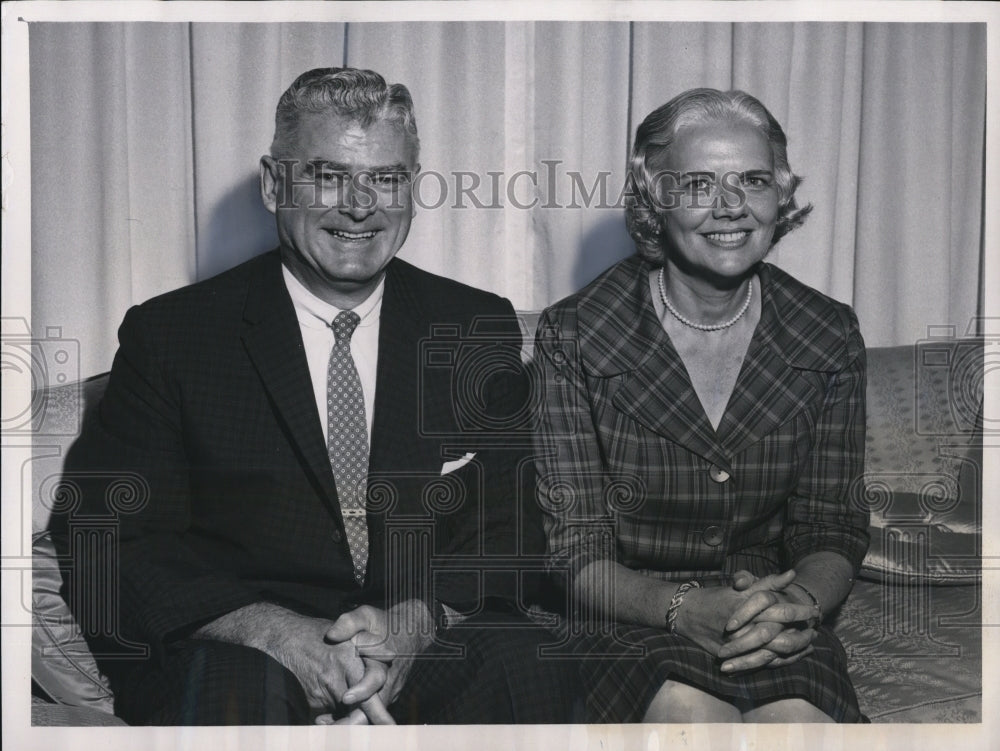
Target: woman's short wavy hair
<point>657,133</point>
<point>361,95</point>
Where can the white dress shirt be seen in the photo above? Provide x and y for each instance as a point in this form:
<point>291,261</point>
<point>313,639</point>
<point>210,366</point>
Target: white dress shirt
<point>316,324</point>
<point>315,321</point>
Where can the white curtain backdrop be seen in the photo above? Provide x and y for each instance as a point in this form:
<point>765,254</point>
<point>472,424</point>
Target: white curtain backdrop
<point>146,137</point>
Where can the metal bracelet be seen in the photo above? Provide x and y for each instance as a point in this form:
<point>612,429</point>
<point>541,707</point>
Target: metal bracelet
<point>812,597</point>
<point>675,603</point>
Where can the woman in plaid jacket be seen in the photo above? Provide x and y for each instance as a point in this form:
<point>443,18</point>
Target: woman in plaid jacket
<point>701,441</point>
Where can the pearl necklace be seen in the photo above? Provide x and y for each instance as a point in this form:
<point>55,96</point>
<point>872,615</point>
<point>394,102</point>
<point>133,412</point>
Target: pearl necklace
<point>703,326</point>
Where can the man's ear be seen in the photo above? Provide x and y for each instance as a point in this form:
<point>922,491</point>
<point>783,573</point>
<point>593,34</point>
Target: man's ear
<point>270,182</point>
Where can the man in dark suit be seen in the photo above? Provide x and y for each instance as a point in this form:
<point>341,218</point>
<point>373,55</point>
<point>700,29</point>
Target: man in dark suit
<point>298,460</point>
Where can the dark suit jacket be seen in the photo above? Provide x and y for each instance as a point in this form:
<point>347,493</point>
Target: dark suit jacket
<point>636,471</point>
<point>209,402</point>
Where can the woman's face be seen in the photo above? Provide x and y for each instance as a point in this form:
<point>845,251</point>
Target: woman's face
<point>720,201</point>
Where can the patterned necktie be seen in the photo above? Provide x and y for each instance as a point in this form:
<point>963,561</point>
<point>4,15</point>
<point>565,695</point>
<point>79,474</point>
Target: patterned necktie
<point>348,439</point>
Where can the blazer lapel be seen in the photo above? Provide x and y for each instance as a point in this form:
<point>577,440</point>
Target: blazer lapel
<point>659,395</point>
<point>767,393</point>
<point>274,343</point>
<point>620,335</point>
<point>793,343</point>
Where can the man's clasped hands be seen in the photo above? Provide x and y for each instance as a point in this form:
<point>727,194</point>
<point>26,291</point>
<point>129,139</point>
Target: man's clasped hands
<point>354,667</point>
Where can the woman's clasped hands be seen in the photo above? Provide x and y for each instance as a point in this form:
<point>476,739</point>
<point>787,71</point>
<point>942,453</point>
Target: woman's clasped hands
<point>753,624</point>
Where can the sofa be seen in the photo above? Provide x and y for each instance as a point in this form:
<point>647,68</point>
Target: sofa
<point>911,626</point>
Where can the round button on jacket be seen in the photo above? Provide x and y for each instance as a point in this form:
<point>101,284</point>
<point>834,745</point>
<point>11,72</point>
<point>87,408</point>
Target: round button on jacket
<point>713,536</point>
<point>337,536</point>
<point>718,474</point>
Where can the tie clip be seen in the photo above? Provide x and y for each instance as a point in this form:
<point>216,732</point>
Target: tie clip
<point>353,512</point>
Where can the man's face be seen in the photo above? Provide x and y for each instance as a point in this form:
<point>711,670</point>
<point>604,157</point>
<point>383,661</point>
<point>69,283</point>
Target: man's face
<point>341,195</point>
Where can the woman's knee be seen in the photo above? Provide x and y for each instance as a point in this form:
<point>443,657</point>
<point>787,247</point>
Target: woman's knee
<point>787,710</point>
<point>681,702</point>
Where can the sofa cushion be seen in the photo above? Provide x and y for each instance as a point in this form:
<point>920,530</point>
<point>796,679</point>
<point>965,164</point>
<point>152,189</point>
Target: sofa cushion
<point>61,662</point>
<point>914,652</point>
<point>46,714</point>
<point>921,552</point>
<point>923,461</point>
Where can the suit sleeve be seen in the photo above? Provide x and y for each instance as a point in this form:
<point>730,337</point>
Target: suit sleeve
<point>164,589</point>
<point>572,481</point>
<point>825,513</point>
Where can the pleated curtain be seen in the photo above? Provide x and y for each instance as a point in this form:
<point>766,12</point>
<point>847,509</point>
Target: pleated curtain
<point>146,138</point>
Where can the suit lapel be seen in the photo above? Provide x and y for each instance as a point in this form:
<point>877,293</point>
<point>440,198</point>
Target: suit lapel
<point>274,343</point>
<point>398,454</point>
<point>402,324</point>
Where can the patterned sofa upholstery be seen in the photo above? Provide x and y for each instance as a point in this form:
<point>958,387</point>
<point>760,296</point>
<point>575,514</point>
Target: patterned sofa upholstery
<point>911,626</point>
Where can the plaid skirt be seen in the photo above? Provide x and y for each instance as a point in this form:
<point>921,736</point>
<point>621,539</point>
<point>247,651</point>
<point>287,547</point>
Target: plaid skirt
<point>620,688</point>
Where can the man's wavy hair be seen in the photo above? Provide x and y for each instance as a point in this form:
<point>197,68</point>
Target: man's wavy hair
<point>657,133</point>
<point>361,95</point>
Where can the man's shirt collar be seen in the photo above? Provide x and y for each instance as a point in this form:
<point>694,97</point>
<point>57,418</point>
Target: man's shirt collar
<point>316,313</point>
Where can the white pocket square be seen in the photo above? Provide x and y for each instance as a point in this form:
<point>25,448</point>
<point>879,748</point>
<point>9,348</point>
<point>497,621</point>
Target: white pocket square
<point>457,463</point>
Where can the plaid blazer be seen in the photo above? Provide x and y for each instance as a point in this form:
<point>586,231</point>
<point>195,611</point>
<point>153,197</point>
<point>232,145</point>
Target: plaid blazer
<point>631,469</point>
<point>209,401</point>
